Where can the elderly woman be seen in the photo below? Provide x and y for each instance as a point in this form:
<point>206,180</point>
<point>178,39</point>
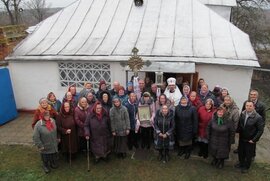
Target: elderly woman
<point>105,99</point>
<point>164,127</point>
<point>43,106</point>
<point>71,99</point>
<point>186,125</point>
<point>205,114</point>
<point>120,125</point>
<point>45,138</point>
<point>220,136</point>
<point>66,127</point>
<point>146,126</point>
<point>163,100</point>
<point>98,130</point>
<point>91,100</point>
<point>232,112</point>
<point>55,103</point>
<point>81,112</point>
<point>186,91</point>
<point>195,100</point>
<point>122,95</point>
<point>86,89</point>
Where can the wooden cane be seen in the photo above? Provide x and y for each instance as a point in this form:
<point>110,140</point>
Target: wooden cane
<point>69,142</point>
<point>88,159</point>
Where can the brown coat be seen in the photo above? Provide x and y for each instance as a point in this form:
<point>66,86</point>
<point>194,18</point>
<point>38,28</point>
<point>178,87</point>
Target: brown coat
<point>69,142</point>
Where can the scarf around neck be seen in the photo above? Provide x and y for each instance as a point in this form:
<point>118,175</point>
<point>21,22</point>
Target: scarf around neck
<point>220,121</point>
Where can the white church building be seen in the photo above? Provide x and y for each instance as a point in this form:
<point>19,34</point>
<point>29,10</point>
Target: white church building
<point>92,40</point>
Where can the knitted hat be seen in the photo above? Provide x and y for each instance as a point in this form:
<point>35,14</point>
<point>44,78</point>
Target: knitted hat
<point>146,94</point>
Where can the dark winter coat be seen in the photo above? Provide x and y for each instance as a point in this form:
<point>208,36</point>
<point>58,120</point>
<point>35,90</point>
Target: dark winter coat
<point>132,112</point>
<point>80,117</point>
<point>253,129</point>
<point>204,117</point>
<point>42,137</point>
<point>65,122</point>
<point>119,120</point>
<point>99,132</point>
<point>220,137</point>
<point>186,122</point>
<point>164,125</point>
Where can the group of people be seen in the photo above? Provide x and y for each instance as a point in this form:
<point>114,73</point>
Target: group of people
<point>173,117</point>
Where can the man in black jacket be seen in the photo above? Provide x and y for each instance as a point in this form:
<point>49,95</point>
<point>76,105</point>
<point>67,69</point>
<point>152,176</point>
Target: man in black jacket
<point>250,129</point>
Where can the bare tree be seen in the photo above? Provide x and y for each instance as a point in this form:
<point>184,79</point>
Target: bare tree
<point>38,8</point>
<point>249,16</point>
<point>13,9</point>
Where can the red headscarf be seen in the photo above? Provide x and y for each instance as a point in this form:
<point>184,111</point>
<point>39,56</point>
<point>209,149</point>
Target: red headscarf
<point>48,123</point>
<point>99,115</point>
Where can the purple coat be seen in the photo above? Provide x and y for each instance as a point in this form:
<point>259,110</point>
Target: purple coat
<point>99,133</point>
<point>80,117</point>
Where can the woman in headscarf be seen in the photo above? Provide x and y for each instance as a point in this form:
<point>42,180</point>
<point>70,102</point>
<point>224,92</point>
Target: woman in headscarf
<point>43,106</point>
<point>186,125</point>
<point>102,87</point>
<point>105,99</point>
<point>66,127</point>
<point>81,112</point>
<point>164,127</point>
<point>195,100</point>
<point>120,125</point>
<point>91,100</point>
<point>220,135</point>
<point>98,130</point>
<point>186,91</point>
<point>45,138</point>
<point>71,99</point>
<point>55,103</point>
<point>146,126</point>
<point>205,114</point>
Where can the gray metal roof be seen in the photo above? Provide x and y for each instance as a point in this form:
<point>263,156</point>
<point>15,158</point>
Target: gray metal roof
<point>163,30</point>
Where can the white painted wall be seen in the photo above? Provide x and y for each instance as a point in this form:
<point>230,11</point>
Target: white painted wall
<point>33,80</point>
<point>236,79</point>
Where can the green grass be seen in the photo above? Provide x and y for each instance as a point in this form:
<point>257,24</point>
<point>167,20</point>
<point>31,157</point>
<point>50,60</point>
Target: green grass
<point>23,163</point>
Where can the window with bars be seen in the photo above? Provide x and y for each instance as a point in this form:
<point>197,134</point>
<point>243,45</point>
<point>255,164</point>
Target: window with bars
<point>79,73</point>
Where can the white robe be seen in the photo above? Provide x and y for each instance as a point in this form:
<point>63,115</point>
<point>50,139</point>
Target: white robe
<point>175,96</point>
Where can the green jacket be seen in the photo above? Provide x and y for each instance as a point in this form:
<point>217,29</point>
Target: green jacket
<point>42,137</point>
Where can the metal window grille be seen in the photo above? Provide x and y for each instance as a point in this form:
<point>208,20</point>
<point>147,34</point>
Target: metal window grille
<point>79,73</point>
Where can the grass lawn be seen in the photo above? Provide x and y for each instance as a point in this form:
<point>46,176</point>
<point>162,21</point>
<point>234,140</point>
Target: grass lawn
<point>23,163</point>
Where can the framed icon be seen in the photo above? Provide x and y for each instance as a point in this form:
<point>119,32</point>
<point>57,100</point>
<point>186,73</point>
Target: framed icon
<point>144,113</point>
<point>159,78</point>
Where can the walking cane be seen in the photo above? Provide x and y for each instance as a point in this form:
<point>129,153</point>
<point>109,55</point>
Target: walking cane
<point>88,168</point>
<point>69,149</point>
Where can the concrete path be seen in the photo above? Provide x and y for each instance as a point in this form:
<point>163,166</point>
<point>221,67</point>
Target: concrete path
<point>19,132</point>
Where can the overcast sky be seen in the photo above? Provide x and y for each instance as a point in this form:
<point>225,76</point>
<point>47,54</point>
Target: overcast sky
<point>59,3</point>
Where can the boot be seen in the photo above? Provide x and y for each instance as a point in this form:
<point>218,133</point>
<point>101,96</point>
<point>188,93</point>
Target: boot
<point>188,152</point>
<point>214,162</point>
<point>205,151</point>
<point>220,163</point>
<point>167,156</point>
<point>45,163</point>
<point>180,151</point>
<point>160,155</point>
<point>201,149</point>
<point>53,162</point>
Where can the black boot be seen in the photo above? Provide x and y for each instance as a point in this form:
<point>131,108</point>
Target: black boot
<point>188,152</point>
<point>53,162</point>
<point>160,155</point>
<point>220,163</point>
<point>214,162</point>
<point>205,150</point>
<point>167,156</point>
<point>180,151</point>
<point>201,149</point>
<point>45,163</point>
